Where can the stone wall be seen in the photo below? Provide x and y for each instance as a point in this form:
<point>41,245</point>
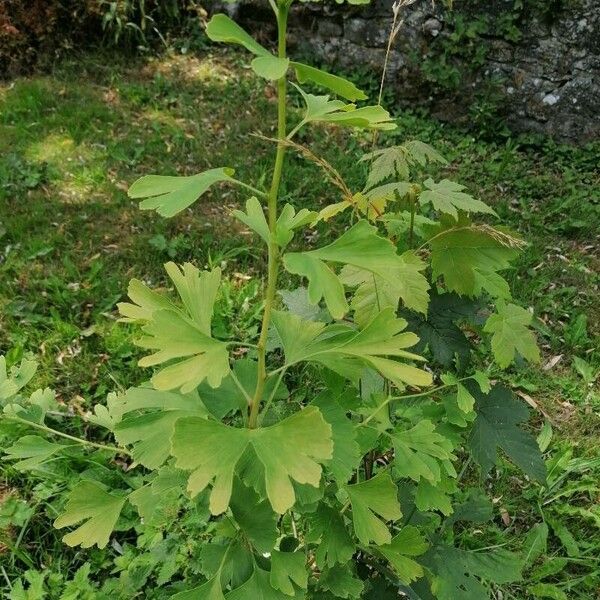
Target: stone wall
<point>544,72</point>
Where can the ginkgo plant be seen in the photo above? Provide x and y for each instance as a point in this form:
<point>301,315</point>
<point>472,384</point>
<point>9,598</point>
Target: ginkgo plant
<point>327,455</point>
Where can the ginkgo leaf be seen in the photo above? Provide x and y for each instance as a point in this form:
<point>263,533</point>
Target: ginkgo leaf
<point>465,255</point>
<point>90,502</point>
<point>289,220</point>
<point>255,218</point>
<point>255,517</point>
<point>258,587</point>
<point>144,302</point>
<point>293,450</point>
<point>181,334</point>
<point>362,248</point>
<point>211,590</point>
<point>448,197</point>
<point>173,336</point>
<point>222,28</point>
<point>341,582</point>
<point>373,500</point>
<point>170,195</point>
<point>197,290</point>
<point>418,451</point>
<point>346,452</point>
<point>328,531</point>
<point>270,67</point>
<point>408,542</point>
<point>374,292</point>
<point>510,331</point>
<point>289,451</point>
<point>287,569</point>
<point>347,351</point>
<point>15,380</point>
<point>338,85</point>
<point>323,109</point>
<point>436,496</point>
<point>396,161</point>
<point>31,451</point>
<point>497,426</point>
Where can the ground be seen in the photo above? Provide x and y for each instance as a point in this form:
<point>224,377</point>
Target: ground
<point>71,142</point>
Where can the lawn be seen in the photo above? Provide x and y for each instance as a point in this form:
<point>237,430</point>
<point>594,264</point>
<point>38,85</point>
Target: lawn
<point>71,142</point>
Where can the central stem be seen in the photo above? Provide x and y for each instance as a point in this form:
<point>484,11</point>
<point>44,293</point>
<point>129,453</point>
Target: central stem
<point>273,261</point>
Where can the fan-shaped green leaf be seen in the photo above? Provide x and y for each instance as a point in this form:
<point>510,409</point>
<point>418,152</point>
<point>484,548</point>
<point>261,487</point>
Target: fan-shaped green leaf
<point>373,500</point>
<point>290,450</point>
<point>287,569</point>
<point>170,195</point>
<point>221,28</point>
<point>31,451</point>
<point>270,67</point>
<point>409,542</point>
<point>90,502</point>
<point>338,85</point>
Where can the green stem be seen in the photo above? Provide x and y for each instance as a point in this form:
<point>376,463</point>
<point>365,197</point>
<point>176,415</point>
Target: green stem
<point>273,261</point>
<point>77,440</point>
<point>271,398</point>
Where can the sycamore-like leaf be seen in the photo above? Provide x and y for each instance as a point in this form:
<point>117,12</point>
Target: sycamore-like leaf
<point>510,331</point>
<point>497,426</point>
<point>346,452</point>
<point>469,257</point>
<point>409,542</point>
<point>328,531</point>
<point>348,351</point>
<point>341,582</point>
<point>459,573</point>
<point>291,450</point>
<point>362,248</point>
<point>90,502</point>
<point>440,331</point>
<point>448,197</point>
<point>185,334</point>
<point>170,195</point>
<point>31,451</point>
<point>338,85</point>
<point>287,569</point>
<point>396,161</point>
<point>375,292</point>
<point>373,502</point>
<point>222,28</point>
<point>270,67</point>
<point>419,450</point>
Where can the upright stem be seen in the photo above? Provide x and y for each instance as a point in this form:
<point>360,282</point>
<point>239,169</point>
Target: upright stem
<point>273,262</point>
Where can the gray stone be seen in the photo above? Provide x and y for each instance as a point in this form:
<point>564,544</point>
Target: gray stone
<point>549,78</point>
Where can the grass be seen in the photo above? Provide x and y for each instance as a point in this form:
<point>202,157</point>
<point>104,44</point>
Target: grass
<point>70,240</point>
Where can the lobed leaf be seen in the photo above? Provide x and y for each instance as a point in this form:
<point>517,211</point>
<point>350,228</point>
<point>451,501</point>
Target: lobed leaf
<point>90,502</point>
<point>291,450</point>
<point>373,500</point>
<point>509,327</point>
<point>448,197</point>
